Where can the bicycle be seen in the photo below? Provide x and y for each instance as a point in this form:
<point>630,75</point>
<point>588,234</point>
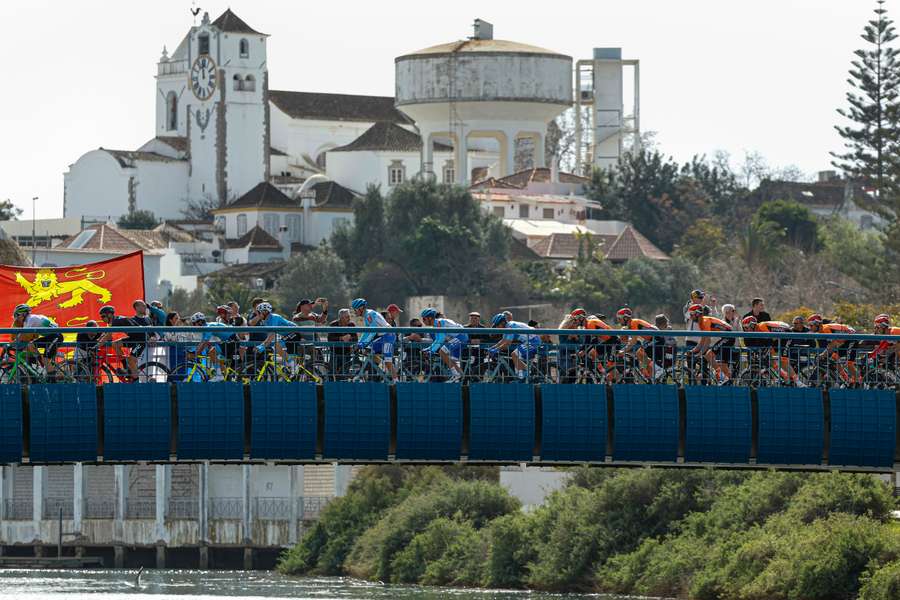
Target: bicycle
<point>26,367</point>
<point>365,368</point>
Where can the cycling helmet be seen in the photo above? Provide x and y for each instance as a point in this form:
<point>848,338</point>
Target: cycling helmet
<point>579,313</point>
<point>697,294</point>
<point>359,303</point>
<point>198,317</point>
<point>497,319</point>
<point>22,309</point>
<point>428,313</point>
<point>695,309</point>
<point>814,319</point>
<point>264,307</point>
<point>883,320</point>
<point>111,310</point>
<point>623,313</point>
<point>222,310</point>
<point>749,322</point>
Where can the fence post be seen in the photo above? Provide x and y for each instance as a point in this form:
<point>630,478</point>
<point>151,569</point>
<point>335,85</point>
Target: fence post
<point>296,501</point>
<point>162,477</point>
<point>78,497</point>
<point>121,492</point>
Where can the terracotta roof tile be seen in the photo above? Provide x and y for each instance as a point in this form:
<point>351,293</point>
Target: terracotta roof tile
<point>230,22</point>
<point>256,239</point>
<point>264,195</point>
<point>388,136</point>
<point>105,238</point>
<point>540,175</point>
<point>631,244</point>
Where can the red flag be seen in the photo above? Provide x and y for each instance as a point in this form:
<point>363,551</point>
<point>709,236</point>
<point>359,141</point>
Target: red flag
<point>73,295</point>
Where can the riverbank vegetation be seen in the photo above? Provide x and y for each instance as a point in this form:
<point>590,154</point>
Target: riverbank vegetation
<point>700,534</point>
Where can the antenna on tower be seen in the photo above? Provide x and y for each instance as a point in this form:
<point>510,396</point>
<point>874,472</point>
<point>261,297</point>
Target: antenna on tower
<point>195,10</point>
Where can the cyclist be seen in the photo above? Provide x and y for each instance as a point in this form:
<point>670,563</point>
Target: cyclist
<point>380,343</point>
<point>713,352</point>
<point>883,327</point>
<point>775,346</point>
<point>625,317</point>
<point>87,348</point>
<point>49,343</point>
<point>839,348</point>
<point>284,344</point>
<point>209,343</point>
<point>135,342</point>
<point>526,345</point>
<point>448,345</point>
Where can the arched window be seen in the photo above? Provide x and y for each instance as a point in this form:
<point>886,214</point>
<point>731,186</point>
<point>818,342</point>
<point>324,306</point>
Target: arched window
<point>244,47</point>
<point>249,83</point>
<point>171,111</point>
<point>238,83</point>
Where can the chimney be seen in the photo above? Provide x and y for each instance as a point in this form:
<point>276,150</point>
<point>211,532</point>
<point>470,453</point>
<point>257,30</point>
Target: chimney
<point>483,30</point>
<point>826,176</point>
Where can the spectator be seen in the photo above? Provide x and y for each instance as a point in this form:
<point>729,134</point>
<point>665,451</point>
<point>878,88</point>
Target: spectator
<point>341,344</point>
<point>304,315</point>
<point>758,310</point>
<point>393,315</point>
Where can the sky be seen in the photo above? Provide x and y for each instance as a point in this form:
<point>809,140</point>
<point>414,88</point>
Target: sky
<point>738,75</point>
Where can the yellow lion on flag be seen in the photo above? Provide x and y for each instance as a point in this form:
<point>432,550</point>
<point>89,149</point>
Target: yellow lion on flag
<point>46,286</point>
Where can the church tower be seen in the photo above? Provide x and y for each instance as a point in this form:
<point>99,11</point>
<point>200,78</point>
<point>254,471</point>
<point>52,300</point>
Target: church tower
<point>223,106</point>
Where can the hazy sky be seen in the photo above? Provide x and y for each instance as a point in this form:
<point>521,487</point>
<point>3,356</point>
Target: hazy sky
<point>762,75</point>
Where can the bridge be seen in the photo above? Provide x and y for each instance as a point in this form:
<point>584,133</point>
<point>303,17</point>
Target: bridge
<point>249,443</point>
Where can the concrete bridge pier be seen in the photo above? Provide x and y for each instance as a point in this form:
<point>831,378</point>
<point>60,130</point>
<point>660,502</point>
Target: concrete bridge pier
<point>39,479</point>
<point>203,514</point>
<point>120,487</point>
<point>247,517</point>
<point>163,475</point>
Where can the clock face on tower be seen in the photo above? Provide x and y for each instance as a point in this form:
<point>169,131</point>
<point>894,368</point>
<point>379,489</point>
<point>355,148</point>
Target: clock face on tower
<point>203,77</point>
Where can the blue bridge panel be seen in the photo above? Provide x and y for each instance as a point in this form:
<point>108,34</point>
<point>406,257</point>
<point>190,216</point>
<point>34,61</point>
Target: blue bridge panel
<point>791,426</point>
<point>357,420</point>
<point>136,421</point>
<point>863,427</point>
<point>10,423</point>
<point>573,422</point>
<point>429,421</point>
<point>719,424</point>
<point>646,422</point>
<point>283,418</point>
<point>502,421</point>
<point>210,420</point>
<point>63,422</point>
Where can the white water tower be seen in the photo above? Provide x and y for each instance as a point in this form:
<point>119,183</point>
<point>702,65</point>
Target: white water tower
<point>483,88</point>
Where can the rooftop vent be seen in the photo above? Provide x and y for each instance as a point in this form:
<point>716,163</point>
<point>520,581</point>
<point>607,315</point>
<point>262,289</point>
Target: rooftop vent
<point>483,30</point>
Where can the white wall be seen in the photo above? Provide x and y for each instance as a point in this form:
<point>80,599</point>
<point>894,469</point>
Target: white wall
<point>161,187</point>
<point>532,485</point>
<point>96,185</point>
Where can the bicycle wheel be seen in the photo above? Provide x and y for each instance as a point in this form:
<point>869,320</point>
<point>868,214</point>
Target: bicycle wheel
<point>188,372</point>
<point>73,371</point>
<point>152,372</point>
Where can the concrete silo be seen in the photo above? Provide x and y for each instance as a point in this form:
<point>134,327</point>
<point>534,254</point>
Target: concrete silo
<point>483,88</point>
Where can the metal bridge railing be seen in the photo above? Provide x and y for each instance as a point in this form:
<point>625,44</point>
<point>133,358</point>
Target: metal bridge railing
<point>322,354</point>
<point>18,509</point>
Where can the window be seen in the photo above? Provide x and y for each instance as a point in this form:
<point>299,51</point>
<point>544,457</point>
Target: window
<point>500,211</point>
<point>238,83</point>
<point>171,111</point>
<point>249,84</point>
<point>241,224</point>
<point>270,223</point>
<point>449,172</point>
<point>548,213</point>
<point>396,173</point>
<point>203,44</point>
<point>523,211</point>
<point>294,225</point>
<point>82,238</point>
<point>244,48</point>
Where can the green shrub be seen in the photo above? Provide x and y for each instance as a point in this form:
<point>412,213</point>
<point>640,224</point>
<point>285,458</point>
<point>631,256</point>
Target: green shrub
<point>884,584</point>
<point>509,550</point>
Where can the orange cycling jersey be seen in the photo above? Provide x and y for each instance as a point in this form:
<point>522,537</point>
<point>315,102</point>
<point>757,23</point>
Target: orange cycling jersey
<point>642,324</point>
<point>713,324</point>
<point>882,346</point>
<point>598,324</point>
<point>836,328</point>
<point>772,327</point>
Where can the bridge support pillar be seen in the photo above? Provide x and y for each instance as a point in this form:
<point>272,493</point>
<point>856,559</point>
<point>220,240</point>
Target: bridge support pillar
<point>120,490</point>
<point>119,556</point>
<point>247,508</point>
<point>203,508</point>
<point>5,492</point>
<point>203,563</point>
<point>296,502</point>
<point>248,559</point>
<point>39,479</point>
<point>78,497</point>
<point>160,556</point>
<point>341,479</point>
<point>162,502</point>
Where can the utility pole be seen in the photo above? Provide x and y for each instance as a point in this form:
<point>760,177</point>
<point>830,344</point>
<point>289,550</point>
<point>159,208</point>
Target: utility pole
<point>33,238</point>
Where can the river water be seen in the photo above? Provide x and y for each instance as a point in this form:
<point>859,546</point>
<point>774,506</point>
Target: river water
<point>110,584</point>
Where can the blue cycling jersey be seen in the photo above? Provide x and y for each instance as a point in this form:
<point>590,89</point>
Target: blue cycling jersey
<point>442,338</point>
<point>275,320</point>
<point>220,336</point>
<point>372,318</point>
<point>524,338</point>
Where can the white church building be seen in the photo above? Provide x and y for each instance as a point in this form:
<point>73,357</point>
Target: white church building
<point>221,133</point>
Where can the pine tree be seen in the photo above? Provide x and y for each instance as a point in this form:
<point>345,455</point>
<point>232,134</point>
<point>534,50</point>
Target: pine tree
<point>872,139</point>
